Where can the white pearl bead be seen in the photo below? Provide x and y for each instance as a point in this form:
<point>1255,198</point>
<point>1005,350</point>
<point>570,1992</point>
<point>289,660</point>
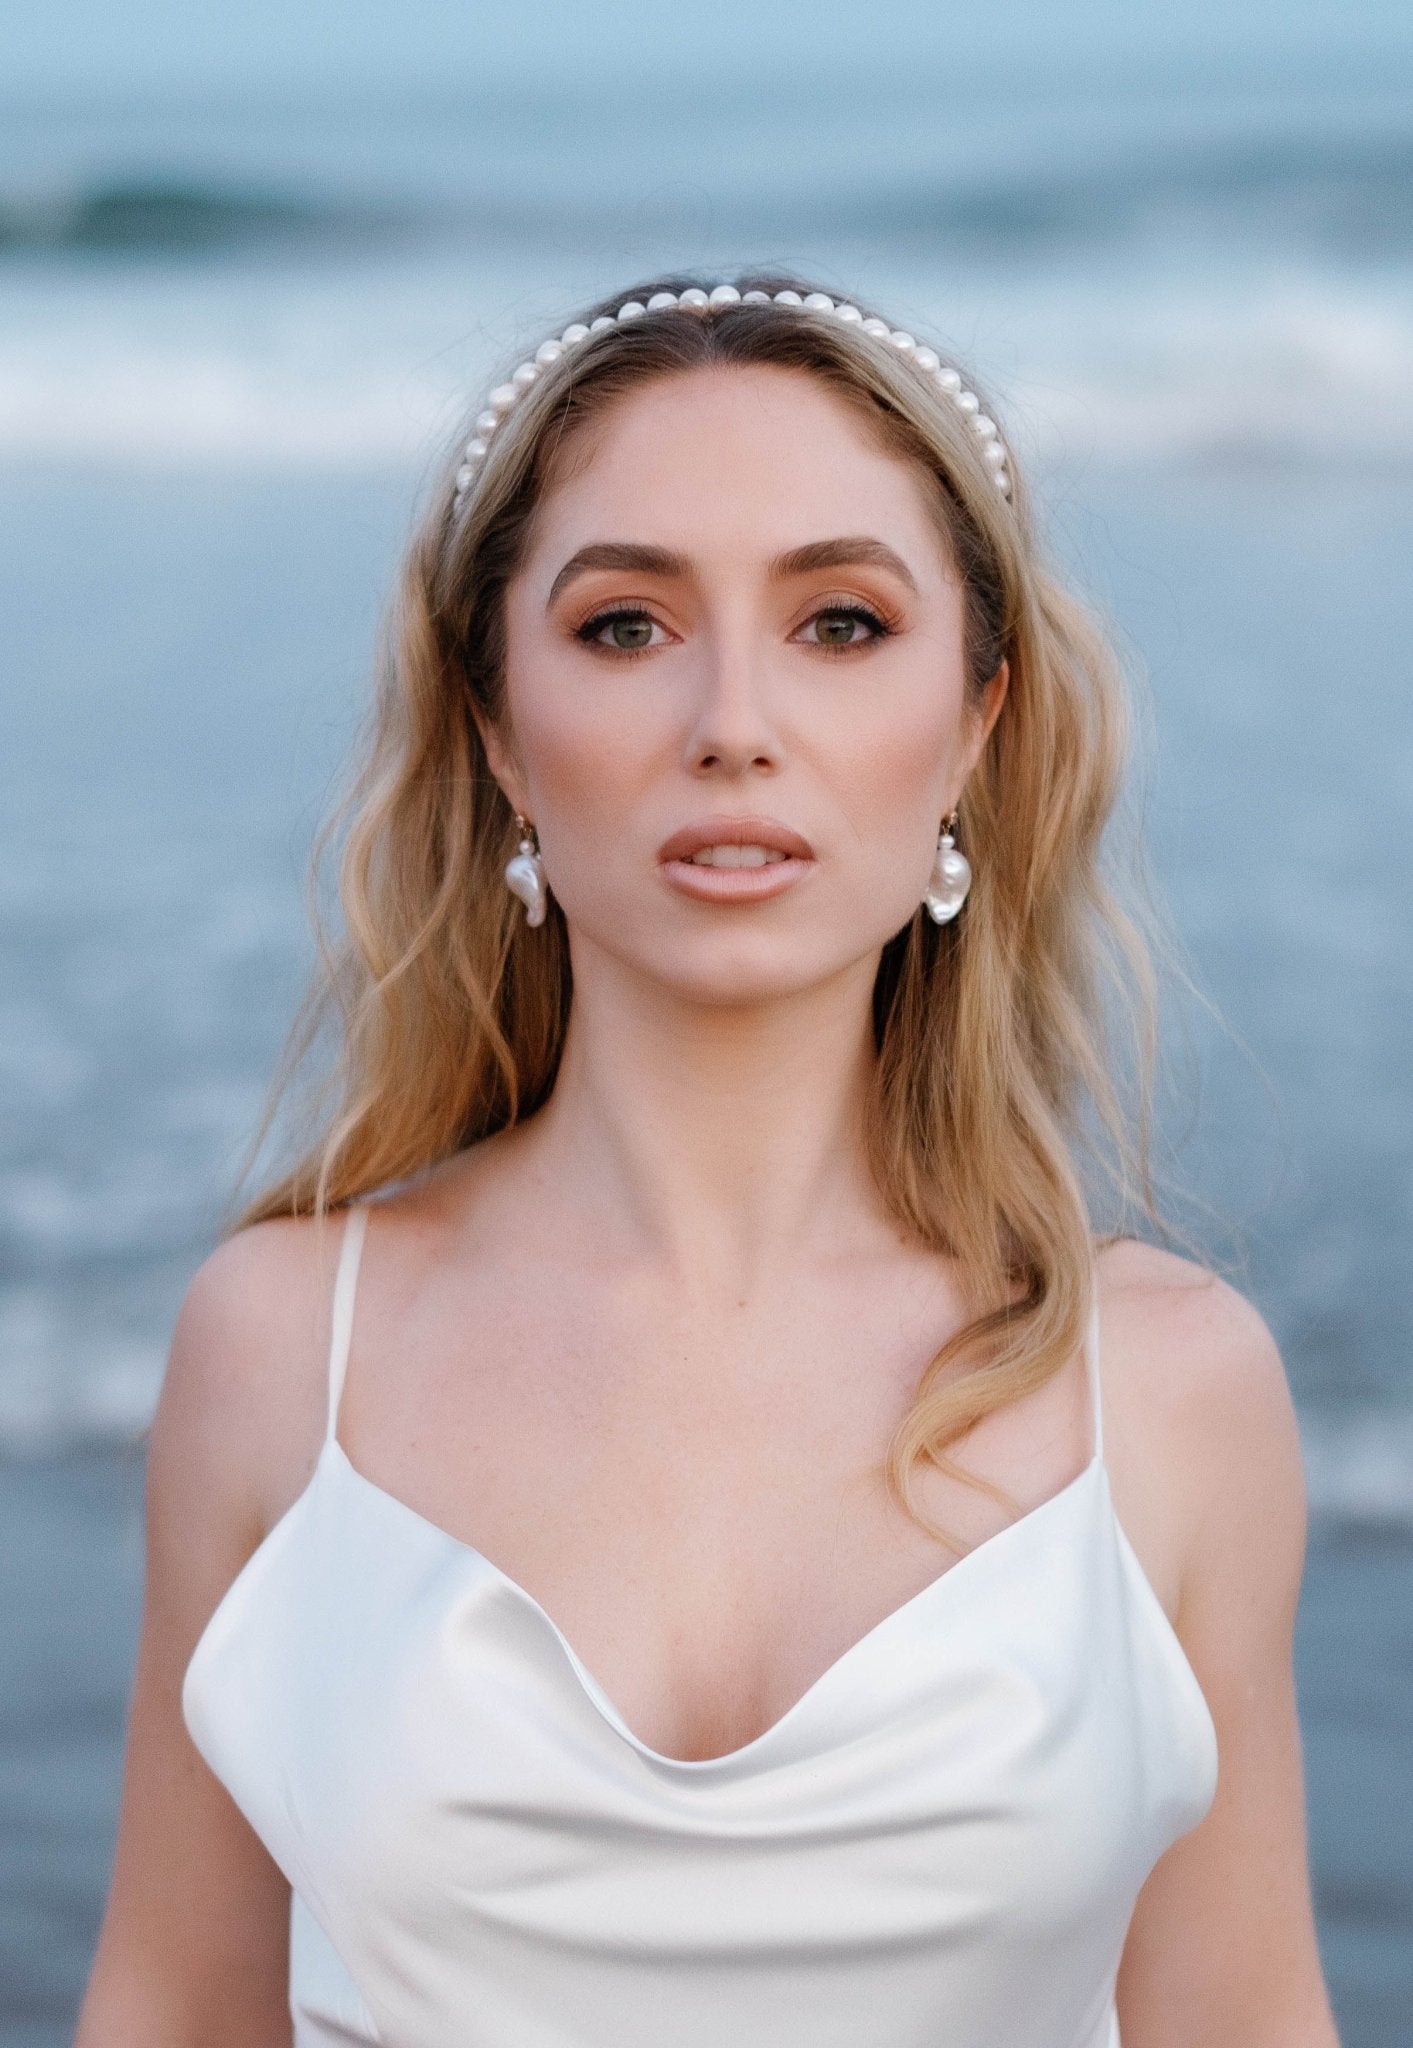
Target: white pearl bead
<point>903,341</point>
<point>850,315</point>
<point>486,423</point>
<point>949,380</point>
<point>967,401</point>
<point>634,310</point>
<point>503,397</point>
<point>694,297</point>
<point>524,376</point>
<point>660,301</point>
<point>951,878</point>
<point>725,295</point>
<point>878,328</point>
<point>818,302</point>
<point>927,358</point>
<point>756,299</point>
<point>475,450</point>
<point>549,352</point>
<point>604,320</point>
<point>788,298</point>
<point>984,426</point>
<point>574,334</point>
<point>465,476</point>
<point>995,454</point>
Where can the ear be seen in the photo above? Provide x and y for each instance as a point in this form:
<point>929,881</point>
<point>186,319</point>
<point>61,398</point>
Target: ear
<point>987,711</point>
<point>500,759</point>
<point>993,697</point>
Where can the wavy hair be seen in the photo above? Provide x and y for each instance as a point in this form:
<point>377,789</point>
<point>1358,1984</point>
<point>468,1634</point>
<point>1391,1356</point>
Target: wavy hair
<point>1015,1046</point>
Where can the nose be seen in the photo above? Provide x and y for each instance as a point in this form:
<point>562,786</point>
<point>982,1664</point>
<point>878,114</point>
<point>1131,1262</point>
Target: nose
<point>731,728</point>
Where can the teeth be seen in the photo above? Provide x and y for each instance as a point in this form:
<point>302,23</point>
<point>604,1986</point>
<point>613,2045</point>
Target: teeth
<point>736,856</point>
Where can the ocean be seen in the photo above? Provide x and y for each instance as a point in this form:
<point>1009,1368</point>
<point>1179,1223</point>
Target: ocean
<point>234,335</point>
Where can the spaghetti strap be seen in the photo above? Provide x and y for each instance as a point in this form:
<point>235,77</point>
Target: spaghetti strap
<point>341,1328</point>
<point>1091,1352</point>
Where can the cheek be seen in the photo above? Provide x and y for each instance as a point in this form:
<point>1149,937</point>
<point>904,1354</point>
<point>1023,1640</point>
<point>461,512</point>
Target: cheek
<point>586,762</point>
<point>894,770</point>
<point>585,778</point>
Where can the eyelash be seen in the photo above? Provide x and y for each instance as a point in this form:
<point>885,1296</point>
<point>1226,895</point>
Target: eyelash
<point>882,628</point>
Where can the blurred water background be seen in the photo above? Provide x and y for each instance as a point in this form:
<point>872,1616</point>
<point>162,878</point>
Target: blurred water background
<point>250,273</point>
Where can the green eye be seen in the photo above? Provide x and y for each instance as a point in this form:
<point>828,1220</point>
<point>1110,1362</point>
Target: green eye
<point>630,632</point>
<point>627,631</point>
<point>836,629</point>
<point>846,626</point>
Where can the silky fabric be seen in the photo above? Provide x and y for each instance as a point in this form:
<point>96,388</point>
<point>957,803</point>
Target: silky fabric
<point>938,1846</point>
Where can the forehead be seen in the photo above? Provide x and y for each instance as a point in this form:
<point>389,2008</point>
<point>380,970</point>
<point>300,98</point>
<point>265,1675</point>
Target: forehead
<point>751,458</point>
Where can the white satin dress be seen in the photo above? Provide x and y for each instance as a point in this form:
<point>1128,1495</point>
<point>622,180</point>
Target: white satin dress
<point>938,1846</point>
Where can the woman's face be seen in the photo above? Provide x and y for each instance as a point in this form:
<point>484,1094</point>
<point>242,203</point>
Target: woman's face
<point>735,606</point>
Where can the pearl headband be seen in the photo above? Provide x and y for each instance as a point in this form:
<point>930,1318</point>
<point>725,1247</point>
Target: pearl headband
<point>694,299</point>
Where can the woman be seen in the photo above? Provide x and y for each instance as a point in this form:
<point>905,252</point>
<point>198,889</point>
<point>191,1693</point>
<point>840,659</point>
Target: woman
<point>690,1582</point>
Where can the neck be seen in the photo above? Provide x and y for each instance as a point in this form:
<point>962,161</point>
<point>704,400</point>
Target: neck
<point>715,1142</point>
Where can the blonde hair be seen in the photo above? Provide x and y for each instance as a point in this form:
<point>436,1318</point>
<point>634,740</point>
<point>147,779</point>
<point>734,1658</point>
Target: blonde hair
<point>1006,1040</point>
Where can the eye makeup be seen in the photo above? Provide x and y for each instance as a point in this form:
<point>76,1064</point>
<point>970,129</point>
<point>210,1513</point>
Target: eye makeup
<point>631,627</point>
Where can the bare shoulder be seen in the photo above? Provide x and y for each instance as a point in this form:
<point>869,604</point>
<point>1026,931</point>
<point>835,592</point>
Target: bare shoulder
<point>242,1400</point>
<point>1204,1441</point>
<point>244,1396</point>
<point>1179,1338</point>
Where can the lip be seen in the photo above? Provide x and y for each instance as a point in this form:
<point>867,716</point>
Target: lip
<point>739,831</point>
<point>734,885</point>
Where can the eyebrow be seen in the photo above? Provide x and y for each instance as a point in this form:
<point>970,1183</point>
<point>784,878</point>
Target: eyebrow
<point>848,552</point>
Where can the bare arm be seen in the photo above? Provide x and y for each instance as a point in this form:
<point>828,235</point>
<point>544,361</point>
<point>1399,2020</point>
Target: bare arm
<point>193,1951</point>
<point>1222,1952</point>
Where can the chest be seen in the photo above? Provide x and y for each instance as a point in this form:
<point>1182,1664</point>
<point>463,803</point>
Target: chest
<point>695,1491</point>
<point>947,1833</point>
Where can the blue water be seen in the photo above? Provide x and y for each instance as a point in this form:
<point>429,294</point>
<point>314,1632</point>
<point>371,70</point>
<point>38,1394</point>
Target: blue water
<point>1165,260</point>
<point>231,336</point>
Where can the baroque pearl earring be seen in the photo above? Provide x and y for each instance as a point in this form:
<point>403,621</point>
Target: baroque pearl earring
<point>525,874</point>
<point>951,877</point>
